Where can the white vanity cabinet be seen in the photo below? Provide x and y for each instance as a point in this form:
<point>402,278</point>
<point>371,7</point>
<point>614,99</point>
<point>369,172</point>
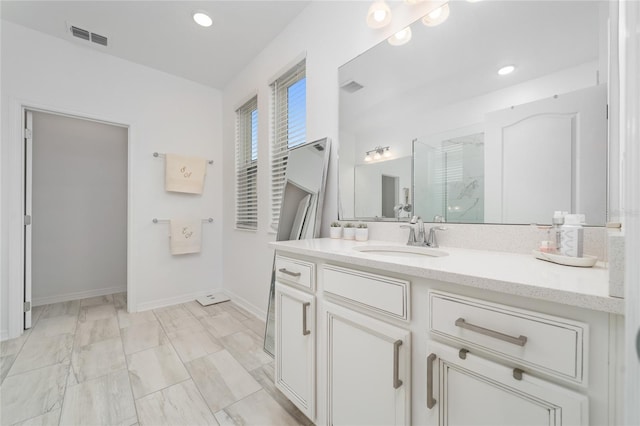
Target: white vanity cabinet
<point>368,369</point>
<point>295,337</point>
<point>466,389</point>
<point>391,344</point>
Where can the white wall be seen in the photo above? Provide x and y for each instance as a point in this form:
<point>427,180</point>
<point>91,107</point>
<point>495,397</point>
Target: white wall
<point>79,195</point>
<point>331,33</point>
<point>165,114</point>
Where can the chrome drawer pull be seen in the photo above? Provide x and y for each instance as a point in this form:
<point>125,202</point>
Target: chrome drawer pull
<point>293,274</point>
<point>430,399</point>
<point>305,332</point>
<point>520,341</point>
<point>396,364</point>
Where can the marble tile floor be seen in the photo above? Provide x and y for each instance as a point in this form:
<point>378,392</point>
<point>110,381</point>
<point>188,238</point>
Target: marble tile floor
<point>89,362</point>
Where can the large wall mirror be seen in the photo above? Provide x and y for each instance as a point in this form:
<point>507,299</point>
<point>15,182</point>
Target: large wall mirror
<point>430,127</point>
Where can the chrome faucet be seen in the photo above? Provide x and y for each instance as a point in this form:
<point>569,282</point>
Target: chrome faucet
<point>420,238</point>
<point>432,239</point>
<point>412,235</point>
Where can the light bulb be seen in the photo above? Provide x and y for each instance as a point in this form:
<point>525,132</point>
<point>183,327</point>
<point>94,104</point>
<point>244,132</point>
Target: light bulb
<point>400,38</point>
<point>379,15</point>
<point>387,153</point>
<point>367,158</point>
<point>376,156</point>
<point>436,13</point>
<point>202,19</point>
<point>508,69</point>
<point>436,17</point>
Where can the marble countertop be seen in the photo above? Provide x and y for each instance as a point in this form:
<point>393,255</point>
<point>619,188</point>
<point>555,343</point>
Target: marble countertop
<point>516,274</point>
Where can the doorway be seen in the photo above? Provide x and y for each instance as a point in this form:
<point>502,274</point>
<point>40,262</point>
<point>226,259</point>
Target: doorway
<point>76,191</point>
<point>390,197</point>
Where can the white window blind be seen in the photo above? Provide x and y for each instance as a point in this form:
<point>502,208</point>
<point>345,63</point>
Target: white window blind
<point>247,165</point>
<point>289,109</point>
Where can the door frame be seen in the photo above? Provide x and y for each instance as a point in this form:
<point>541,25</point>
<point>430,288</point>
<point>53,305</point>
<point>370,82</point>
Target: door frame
<point>16,196</point>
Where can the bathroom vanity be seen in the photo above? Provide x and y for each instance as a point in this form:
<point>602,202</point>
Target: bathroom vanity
<point>368,333</point>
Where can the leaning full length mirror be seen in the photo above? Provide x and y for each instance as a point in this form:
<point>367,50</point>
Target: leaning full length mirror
<point>301,207</point>
<point>431,128</point>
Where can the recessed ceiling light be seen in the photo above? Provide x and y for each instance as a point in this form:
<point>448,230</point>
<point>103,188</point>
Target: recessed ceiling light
<point>506,70</point>
<point>202,19</point>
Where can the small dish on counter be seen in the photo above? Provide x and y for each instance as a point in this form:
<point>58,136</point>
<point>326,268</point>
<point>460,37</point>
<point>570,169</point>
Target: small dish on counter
<point>586,261</point>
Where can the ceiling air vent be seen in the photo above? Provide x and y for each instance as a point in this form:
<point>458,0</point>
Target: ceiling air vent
<point>80,33</point>
<point>351,86</point>
<point>88,36</point>
<point>97,38</point>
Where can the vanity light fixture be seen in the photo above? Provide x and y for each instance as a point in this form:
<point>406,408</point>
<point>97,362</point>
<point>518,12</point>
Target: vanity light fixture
<point>202,19</point>
<point>379,15</point>
<point>378,152</point>
<point>437,16</point>
<point>508,69</point>
<point>400,38</point>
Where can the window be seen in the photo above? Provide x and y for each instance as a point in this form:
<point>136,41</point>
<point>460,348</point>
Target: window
<point>289,108</point>
<point>247,165</point>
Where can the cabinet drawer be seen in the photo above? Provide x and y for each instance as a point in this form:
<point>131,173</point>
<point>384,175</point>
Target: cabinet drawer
<point>549,344</point>
<point>295,271</point>
<point>385,295</point>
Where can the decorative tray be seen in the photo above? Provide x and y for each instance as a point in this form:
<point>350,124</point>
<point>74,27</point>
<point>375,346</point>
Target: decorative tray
<point>586,261</point>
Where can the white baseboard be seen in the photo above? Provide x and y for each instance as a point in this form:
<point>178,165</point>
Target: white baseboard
<point>4,335</point>
<point>244,304</point>
<point>77,295</point>
<point>169,301</point>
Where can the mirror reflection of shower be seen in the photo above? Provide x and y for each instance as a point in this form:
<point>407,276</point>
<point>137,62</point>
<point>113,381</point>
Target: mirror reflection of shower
<point>449,178</point>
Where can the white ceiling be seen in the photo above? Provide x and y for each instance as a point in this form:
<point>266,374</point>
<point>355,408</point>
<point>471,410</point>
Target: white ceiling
<point>163,35</point>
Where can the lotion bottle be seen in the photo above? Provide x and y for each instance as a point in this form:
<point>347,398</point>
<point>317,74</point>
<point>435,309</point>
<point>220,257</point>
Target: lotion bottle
<point>572,235</point>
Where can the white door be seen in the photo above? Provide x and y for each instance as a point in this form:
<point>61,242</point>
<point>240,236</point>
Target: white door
<point>368,370</point>
<point>28,180</point>
<point>295,338</point>
<point>545,156</point>
<point>470,390</point>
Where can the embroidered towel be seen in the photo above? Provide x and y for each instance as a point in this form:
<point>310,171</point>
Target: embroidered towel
<point>186,236</point>
<point>184,174</point>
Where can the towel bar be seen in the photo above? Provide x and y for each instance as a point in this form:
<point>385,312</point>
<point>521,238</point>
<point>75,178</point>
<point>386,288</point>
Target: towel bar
<point>156,220</point>
<point>157,154</point>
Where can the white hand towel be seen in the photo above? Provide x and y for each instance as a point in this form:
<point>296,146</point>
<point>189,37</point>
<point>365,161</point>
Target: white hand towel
<point>186,236</point>
<point>184,174</point>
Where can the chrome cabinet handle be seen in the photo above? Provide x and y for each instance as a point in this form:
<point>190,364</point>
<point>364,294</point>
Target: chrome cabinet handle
<point>293,274</point>
<point>396,364</point>
<point>430,399</point>
<point>520,341</point>
<point>305,332</point>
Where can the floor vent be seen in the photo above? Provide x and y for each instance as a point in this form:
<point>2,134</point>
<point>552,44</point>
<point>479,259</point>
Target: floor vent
<point>88,36</point>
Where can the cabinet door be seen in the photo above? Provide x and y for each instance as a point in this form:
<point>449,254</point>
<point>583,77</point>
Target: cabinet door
<point>368,370</point>
<point>475,391</point>
<point>295,365</point>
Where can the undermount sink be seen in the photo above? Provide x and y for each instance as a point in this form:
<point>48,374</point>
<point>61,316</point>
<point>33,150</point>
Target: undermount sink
<point>401,251</point>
